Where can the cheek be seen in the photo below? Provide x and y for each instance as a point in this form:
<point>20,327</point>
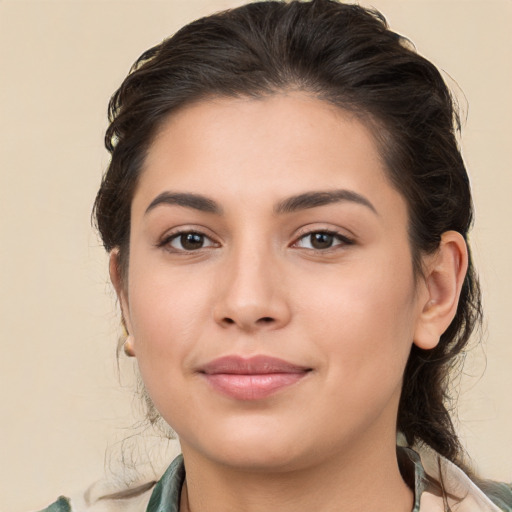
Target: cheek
<point>364,319</point>
<point>168,313</point>
<point>167,309</point>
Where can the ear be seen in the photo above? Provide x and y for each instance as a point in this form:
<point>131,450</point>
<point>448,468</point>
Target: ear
<point>444,275</point>
<point>116,277</point>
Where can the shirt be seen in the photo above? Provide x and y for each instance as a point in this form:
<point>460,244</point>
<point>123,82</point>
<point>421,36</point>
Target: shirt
<point>420,468</point>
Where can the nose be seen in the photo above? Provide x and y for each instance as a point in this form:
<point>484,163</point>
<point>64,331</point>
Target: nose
<point>251,293</point>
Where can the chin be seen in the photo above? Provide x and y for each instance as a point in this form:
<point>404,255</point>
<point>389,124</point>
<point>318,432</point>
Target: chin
<point>254,448</point>
<point>261,458</point>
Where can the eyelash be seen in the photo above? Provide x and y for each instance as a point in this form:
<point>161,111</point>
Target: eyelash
<point>342,239</point>
<point>165,243</point>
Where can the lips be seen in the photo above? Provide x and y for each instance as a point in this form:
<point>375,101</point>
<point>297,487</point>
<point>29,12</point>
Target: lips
<point>253,378</point>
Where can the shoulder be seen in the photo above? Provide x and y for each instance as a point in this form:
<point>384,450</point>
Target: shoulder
<point>61,505</point>
<point>499,493</point>
<point>127,488</point>
<point>133,499</point>
<point>461,492</point>
<point>102,497</point>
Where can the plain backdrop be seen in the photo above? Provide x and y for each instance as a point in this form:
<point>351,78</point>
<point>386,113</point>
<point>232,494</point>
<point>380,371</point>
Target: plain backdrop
<point>62,405</point>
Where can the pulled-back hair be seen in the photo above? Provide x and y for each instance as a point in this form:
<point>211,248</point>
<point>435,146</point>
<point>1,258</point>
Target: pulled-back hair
<point>347,56</point>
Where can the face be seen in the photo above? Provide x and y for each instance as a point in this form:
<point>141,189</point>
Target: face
<point>270,290</point>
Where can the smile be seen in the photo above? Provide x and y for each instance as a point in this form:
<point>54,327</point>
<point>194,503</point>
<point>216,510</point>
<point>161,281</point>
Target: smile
<point>254,378</point>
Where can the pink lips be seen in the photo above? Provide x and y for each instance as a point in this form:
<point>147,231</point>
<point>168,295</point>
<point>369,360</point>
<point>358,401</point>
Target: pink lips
<point>254,378</point>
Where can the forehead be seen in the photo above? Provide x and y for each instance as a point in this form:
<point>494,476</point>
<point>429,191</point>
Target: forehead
<point>253,150</point>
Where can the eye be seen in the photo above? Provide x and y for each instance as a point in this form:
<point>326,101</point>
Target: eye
<point>188,241</point>
<point>322,240</point>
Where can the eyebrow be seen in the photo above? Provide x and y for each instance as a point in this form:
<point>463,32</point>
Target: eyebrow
<point>321,198</point>
<point>289,205</point>
<point>194,201</point>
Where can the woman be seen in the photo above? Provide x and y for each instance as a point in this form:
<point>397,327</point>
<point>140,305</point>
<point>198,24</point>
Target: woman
<point>286,212</point>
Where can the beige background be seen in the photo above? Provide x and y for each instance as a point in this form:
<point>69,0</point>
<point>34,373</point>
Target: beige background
<point>61,401</point>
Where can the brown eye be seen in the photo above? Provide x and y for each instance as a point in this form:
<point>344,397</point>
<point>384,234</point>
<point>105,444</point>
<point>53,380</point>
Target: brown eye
<point>322,240</point>
<point>189,241</point>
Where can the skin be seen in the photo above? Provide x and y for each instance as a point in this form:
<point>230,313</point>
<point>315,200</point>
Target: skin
<point>349,313</point>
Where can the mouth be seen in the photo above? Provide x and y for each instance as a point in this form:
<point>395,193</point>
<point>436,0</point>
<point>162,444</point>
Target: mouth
<point>253,378</point>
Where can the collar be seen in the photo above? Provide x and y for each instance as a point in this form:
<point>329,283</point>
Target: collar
<point>167,492</point>
<point>422,472</point>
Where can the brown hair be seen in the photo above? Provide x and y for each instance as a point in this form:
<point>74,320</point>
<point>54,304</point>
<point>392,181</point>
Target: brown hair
<point>346,55</point>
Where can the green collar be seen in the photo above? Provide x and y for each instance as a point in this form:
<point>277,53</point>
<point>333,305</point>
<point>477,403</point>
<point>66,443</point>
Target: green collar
<point>167,492</point>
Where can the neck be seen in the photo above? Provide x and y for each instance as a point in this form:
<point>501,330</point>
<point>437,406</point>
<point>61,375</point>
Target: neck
<point>360,479</point>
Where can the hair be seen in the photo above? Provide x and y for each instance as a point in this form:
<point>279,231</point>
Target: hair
<point>345,55</point>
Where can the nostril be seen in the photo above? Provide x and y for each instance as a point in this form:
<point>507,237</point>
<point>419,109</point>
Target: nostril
<point>265,320</point>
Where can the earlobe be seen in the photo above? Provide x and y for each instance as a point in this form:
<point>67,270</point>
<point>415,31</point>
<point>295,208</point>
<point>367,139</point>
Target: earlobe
<point>444,276</point>
<point>116,278</point>
<point>128,346</point>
